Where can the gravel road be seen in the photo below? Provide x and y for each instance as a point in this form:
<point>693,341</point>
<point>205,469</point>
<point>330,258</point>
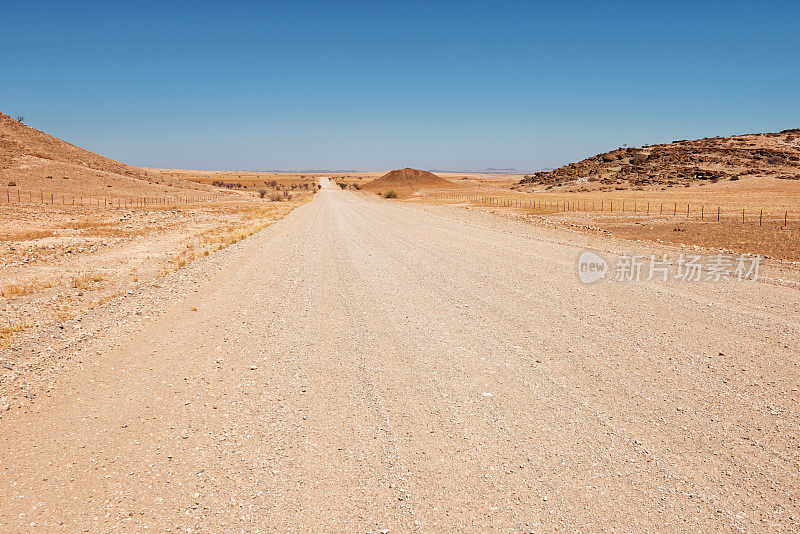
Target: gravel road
<point>366,365</point>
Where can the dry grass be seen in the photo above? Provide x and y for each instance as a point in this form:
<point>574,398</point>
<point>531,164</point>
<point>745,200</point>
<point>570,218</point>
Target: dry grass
<point>110,231</point>
<point>22,289</point>
<point>253,218</point>
<point>752,194</point>
<point>267,180</point>
<point>8,330</point>
<point>85,281</point>
<point>771,239</point>
<point>27,235</point>
<point>686,215</point>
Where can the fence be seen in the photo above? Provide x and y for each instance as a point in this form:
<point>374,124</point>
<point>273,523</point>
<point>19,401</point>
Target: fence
<point>700,211</point>
<point>63,199</point>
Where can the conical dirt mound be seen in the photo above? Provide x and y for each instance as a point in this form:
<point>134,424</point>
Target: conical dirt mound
<point>408,182</point>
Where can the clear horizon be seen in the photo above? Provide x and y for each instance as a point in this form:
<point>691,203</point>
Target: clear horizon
<point>451,86</point>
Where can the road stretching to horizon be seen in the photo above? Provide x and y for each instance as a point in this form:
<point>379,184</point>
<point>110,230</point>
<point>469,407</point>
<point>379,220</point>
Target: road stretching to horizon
<point>365,365</point>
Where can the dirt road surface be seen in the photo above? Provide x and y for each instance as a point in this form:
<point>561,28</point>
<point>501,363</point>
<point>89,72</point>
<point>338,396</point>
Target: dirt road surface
<point>366,365</point>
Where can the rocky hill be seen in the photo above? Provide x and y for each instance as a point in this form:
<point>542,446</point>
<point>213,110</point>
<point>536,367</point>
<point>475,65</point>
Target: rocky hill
<point>775,155</point>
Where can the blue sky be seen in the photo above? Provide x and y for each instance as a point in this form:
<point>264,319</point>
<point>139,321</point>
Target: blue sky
<point>378,85</point>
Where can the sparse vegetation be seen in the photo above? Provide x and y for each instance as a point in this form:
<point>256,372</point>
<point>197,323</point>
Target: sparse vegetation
<point>27,235</point>
<point>390,194</point>
<point>85,281</point>
<point>280,196</point>
<point>22,289</point>
<point>8,330</point>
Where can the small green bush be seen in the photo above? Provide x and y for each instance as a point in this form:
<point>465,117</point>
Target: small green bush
<point>390,194</point>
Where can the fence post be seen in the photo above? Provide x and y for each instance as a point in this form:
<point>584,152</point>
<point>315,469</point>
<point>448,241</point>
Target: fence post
<point>760,215</point>
<point>648,208</point>
<point>717,213</point>
<point>675,210</point>
<point>742,214</point>
<point>785,217</point>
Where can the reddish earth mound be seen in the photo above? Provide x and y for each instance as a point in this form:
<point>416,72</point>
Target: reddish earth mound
<point>32,161</point>
<point>407,182</point>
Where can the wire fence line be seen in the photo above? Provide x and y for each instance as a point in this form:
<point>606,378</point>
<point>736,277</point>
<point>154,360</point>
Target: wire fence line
<point>699,211</point>
<point>63,199</point>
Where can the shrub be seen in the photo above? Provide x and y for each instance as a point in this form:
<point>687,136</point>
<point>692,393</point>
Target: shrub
<point>262,193</point>
<point>390,194</point>
<point>279,196</point>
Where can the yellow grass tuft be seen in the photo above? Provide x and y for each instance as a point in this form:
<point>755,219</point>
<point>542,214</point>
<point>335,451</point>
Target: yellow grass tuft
<point>22,289</point>
<point>27,235</point>
<point>8,331</point>
<point>85,281</point>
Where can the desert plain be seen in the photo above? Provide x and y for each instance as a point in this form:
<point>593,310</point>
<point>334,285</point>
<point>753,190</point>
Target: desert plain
<point>232,351</point>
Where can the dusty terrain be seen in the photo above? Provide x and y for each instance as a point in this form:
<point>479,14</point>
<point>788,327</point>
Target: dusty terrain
<point>57,262</point>
<point>78,229</point>
<point>707,214</point>
<point>366,365</point>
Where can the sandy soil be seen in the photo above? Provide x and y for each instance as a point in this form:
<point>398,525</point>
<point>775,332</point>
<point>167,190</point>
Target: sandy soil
<point>58,261</point>
<point>366,365</point>
<point>683,216</point>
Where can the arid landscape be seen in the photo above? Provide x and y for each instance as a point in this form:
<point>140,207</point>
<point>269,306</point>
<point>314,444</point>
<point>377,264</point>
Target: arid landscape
<point>78,229</point>
<point>221,351</point>
<point>400,267</point>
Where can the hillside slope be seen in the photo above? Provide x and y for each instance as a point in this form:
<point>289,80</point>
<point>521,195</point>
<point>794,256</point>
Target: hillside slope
<point>31,160</point>
<point>775,155</point>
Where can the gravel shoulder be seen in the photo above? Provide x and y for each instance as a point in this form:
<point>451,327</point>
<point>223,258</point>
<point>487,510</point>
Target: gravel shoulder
<point>363,365</point>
